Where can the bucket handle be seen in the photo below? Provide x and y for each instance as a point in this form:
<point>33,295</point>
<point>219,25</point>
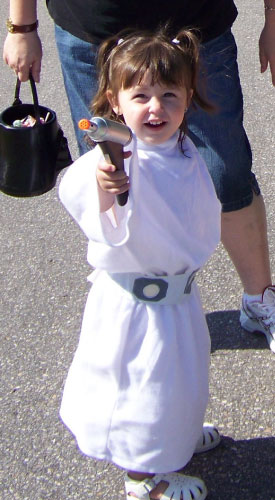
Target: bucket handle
<point>18,101</point>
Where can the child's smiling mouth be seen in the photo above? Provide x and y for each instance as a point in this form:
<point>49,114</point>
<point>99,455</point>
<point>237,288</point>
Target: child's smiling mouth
<point>155,124</point>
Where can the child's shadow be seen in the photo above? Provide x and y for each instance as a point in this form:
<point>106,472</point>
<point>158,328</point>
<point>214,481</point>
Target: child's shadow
<point>227,333</point>
<point>237,470</point>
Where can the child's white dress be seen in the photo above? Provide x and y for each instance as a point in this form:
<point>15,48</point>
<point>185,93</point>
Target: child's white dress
<point>137,389</point>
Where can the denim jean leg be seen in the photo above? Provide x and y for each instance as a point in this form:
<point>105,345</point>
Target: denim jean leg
<point>220,136</point>
<point>78,64</point>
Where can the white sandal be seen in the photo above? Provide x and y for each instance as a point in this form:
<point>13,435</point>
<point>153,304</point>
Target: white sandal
<point>179,487</point>
<point>209,439</point>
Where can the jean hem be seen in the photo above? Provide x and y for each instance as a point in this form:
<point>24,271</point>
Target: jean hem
<point>233,206</point>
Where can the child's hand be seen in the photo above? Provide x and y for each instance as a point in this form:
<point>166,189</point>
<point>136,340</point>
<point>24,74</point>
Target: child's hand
<point>110,179</point>
<point>111,182</point>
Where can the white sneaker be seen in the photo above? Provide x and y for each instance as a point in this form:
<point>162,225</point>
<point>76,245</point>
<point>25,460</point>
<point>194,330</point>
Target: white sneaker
<point>260,316</point>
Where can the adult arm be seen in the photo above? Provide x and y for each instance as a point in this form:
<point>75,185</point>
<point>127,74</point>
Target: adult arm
<point>23,51</point>
<point>267,40</point>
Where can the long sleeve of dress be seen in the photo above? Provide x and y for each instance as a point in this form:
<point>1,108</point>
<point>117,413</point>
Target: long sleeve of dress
<point>79,194</point>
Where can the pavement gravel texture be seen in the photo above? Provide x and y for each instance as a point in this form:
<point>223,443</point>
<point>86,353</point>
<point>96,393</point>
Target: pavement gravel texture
<point>43,289</point>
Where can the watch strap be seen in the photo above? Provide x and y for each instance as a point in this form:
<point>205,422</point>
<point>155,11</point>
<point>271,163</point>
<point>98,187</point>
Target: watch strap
<point>24,28</point>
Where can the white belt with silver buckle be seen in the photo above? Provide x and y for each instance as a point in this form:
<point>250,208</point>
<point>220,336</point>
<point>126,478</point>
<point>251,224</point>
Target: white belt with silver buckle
<point>156,289</point>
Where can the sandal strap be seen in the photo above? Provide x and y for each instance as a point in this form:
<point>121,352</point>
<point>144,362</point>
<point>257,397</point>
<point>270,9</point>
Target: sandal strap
<point>209,439</point>
<point>179,485</point>
<point>140,488</point>
<point>182,486</point>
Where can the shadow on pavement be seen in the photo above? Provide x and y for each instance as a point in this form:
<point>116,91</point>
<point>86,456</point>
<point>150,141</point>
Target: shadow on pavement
<point>227,333</point>
<point>237,470</point>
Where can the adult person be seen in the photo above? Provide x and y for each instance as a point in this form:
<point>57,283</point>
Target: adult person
<point>81,26</point>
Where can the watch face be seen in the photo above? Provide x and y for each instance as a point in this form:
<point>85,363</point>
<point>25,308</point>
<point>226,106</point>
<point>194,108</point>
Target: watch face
<point>9,25</point>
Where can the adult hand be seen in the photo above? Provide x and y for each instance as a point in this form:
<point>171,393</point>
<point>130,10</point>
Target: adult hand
<point>267,49</point>
<point>23,53</point>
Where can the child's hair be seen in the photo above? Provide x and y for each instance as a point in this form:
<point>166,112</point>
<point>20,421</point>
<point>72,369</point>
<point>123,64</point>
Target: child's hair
<point>125,57</point>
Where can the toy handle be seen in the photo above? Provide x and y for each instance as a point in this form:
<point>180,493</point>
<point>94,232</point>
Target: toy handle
<point>113,153</point>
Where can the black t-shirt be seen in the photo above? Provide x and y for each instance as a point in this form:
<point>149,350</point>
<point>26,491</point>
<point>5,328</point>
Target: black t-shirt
<point>95,20</point>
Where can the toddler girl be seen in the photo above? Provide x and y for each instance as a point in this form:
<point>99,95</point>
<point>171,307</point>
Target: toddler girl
<point>137,390</point>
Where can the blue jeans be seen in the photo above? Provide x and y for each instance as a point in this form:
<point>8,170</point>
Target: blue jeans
<point>78,64</point>
<point>220,137</point>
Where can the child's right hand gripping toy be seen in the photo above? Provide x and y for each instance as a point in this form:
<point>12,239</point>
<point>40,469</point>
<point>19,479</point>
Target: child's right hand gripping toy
<point>111,137</point>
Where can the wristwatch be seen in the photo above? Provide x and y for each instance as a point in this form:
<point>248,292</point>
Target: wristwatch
<point>24,28</point>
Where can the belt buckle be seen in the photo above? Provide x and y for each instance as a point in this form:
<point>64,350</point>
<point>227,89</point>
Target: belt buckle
<point>150,289</point>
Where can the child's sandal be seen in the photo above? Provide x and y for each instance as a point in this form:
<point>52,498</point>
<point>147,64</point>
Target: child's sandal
<point>209,439</point>
<point>179,487</point>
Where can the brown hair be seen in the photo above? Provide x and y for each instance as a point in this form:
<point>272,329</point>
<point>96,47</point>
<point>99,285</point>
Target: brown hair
<point>123,58</point>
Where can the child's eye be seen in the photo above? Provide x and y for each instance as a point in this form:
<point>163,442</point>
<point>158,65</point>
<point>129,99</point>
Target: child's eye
<point>169,94</point>
<point>140,96</point>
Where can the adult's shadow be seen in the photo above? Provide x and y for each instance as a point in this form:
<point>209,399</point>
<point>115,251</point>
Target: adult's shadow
<point>237,470</point>
<point>227,333</point>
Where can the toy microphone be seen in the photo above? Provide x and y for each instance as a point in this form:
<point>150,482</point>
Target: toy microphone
<point>111,136</point>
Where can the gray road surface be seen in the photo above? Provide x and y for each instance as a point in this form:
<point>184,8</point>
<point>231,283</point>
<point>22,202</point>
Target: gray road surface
<point>43,286</point>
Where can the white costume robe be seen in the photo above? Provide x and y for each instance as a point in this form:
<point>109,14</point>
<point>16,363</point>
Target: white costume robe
<point>137,390</point>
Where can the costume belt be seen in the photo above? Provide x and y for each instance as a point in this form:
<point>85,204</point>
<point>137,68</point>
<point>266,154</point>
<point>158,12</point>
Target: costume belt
<point>156,289</point>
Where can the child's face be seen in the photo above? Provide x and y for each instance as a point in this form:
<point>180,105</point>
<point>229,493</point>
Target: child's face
<point>153,112</point>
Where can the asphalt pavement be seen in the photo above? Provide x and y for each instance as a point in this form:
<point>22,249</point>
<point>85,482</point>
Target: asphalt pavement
<point>43,290</point>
